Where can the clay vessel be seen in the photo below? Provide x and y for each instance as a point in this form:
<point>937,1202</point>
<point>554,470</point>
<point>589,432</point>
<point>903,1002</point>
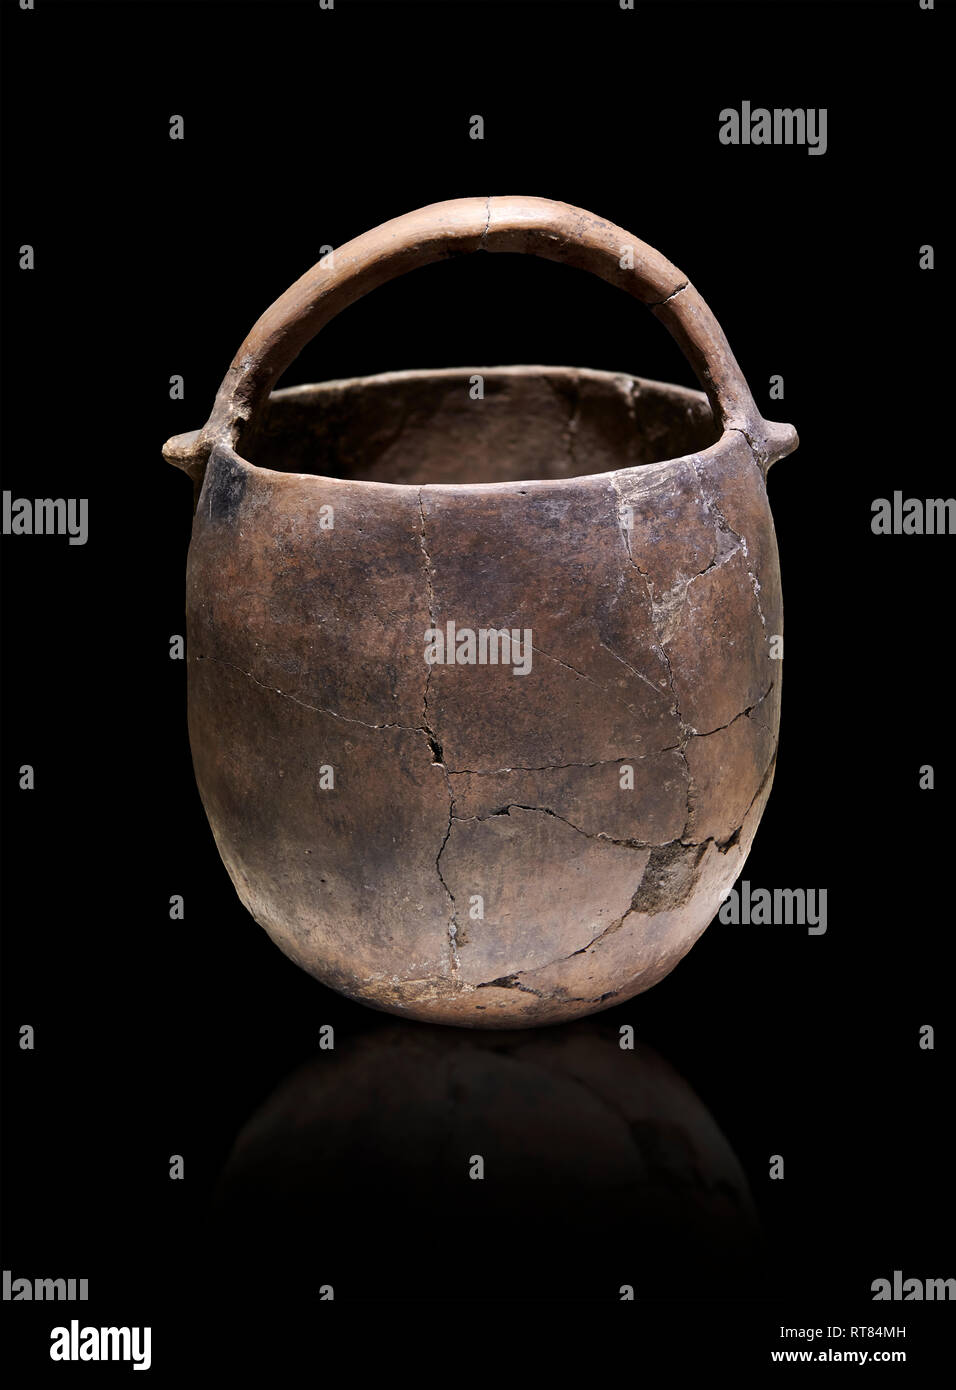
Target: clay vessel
<point>502,834</point>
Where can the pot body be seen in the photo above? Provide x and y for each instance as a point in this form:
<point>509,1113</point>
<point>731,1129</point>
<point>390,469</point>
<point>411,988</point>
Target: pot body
<point>489,844</point>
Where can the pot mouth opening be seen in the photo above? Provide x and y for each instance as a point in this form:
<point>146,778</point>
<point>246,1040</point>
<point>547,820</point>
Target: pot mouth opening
<point>479,425</point>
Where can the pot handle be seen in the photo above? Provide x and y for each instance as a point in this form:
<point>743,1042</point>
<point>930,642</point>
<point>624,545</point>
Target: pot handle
<point>538,226</point>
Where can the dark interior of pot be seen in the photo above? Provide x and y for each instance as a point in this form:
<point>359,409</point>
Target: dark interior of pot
<point>481,425</point>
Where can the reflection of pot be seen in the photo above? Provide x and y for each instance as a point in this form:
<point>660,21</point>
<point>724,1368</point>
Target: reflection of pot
<point>601,1167</point>
<point>457,839</point>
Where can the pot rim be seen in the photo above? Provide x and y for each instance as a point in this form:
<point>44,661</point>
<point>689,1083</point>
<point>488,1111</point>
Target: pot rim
<point>720,446</point>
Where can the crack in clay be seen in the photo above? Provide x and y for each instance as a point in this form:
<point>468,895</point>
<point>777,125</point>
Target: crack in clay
<point>754,448</point>
<point>512,982</point>
<point>744,714</point>
<point>474,772</point>
<point>547,811</point>
<point>660,648</point>
<point>552,767</point>
<point>434,742</point>
<point>481,239</point>
<point>466,987</point>
<point>656,303</point>
<point>720,557</point>
<point>603,689</point>
<point>453,924</point>
<point>509,982</point>
<point>711,505</point>
<point>605,838</point>
<point>430,589</point>
<point>722,847</point>
<point>316,709</point>
<point>667,606</point>
<point>582,950</point>
<point>627,666</point>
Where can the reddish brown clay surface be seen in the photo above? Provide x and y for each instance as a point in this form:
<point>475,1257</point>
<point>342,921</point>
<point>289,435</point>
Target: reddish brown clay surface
<point>477,855</point>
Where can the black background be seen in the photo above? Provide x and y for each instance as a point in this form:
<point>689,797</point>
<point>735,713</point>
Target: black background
<point>304,128</point>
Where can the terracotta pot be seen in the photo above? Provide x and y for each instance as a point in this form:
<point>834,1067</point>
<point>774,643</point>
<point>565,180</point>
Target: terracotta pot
<point>493,843</point>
